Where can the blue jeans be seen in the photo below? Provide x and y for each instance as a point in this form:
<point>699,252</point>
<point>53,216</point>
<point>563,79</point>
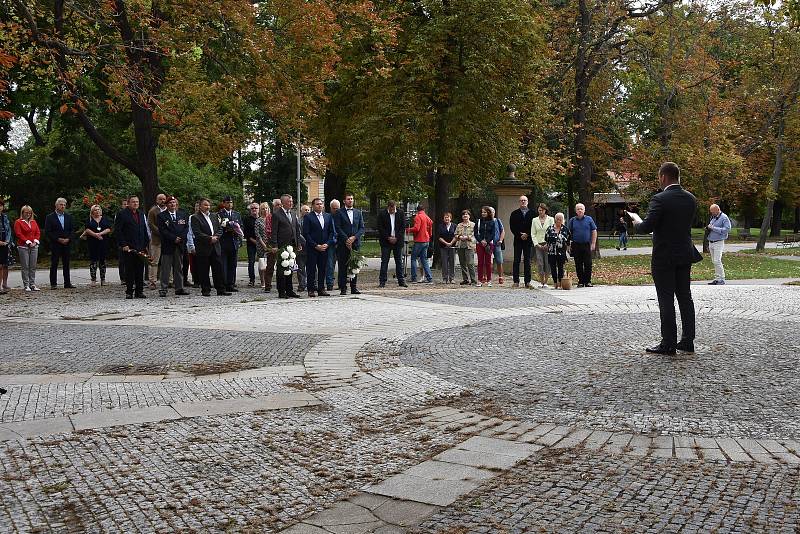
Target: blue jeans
<point>331,263</point>
<point>623,239</point>
<point>420,251</point>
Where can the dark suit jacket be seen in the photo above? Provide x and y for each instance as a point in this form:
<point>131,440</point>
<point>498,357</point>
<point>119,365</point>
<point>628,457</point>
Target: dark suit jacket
<point>285,229</point>
<point>315,234</point>
<point>230,241</point>
<point>169,231</point>
<point>385,228</point>
<point>203,234</point>
<point>669,217</point>
<point>345,230</point>
<point>129,233</point>
<point>54,231</point>
<point>521,224</point>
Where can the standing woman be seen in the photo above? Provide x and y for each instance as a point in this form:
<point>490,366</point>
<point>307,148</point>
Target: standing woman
<point>465,245</point>
<point>539,226</point>
<point>96,232</point>
<point>263,231</point>
<point>28,234</point>
<point>484,235</point>
<point>499,245</point>
<point>6,242</point>
<point>557,238</point>
<point>447,240</point>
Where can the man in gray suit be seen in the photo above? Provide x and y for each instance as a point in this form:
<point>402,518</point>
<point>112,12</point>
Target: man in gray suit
<point>208,252</point>
<point>285,231</point>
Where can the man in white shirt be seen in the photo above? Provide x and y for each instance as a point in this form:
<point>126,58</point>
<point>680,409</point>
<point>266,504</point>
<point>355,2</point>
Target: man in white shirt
<point>391,234</point>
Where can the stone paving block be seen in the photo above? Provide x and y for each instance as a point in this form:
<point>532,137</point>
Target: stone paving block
<point>436,492</point>
<point>131,416</point>
<point>35,427</point>
<point>706,443</point>
<point>733,450</point>
<point>572,440</point>
<point>498,430</point>
<point>498,446</point>
<point>71,378</point>
<point>617,443</point>
<point>684,442</point>
<point>277,401</point>
<point>751,446</point>
<point>554,436</point>
<point>345,514</point>
<point>476,459</point>
<point>639,445</point>
<point>787,458</point>
<point>770,445</point>
<point>304,528</point>
<point>368,500</point>
<point>481,425</point>
<point>792,445</point>
<point>596,440</point>
<point>661,453</point>
<point>663,442</point>
<point>434,470</point>
<point>685,453</point>
<point>535,433</point>
<point>764,458</point>
<point>712,455</point>
<point>404,513</point>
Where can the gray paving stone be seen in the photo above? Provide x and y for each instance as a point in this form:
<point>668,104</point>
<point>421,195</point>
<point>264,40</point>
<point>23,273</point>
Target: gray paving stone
<point>342,513</point>
<point>276,401</point>
<point>404,513</point>
<point>434,470</point>
<point>481,460</point>
<point>131,416</point>
<point>368,500</point>
<point>304,528</point>
<point>497,446</point>
<point>38,427</point>
<point>685,453</point>
<point>596,440</point>
<point>435,492</point>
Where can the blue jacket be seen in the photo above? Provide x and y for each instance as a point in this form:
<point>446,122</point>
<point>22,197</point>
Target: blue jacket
<point>344,229</point>
<point>169,231</point>
<point>485,230</point>
<point>7,234</point>
<point>720,226</point>
<point>315,235</point>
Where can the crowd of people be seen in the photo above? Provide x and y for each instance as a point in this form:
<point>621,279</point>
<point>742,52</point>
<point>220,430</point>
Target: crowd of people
<point>160,248</point>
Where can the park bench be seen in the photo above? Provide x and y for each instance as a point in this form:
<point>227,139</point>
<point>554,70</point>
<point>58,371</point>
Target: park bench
<point>789,240</point>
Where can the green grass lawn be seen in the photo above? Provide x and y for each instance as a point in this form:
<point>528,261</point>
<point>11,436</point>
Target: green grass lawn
<point>635,270</point>
<point>783,251</point>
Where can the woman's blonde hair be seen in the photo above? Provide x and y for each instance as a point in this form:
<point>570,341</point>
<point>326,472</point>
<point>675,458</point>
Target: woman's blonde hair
<point>28,208</point>
<point>263,209</point>
<point>95,207</point>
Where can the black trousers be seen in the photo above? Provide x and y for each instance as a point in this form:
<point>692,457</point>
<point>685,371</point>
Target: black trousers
<point>59,252</point>
<point>582,253</point>
<point>522,251</point>
<point>672,283</point>
<point>343,255</point>
<point>252,258</point>
<point>556,267</point>
<point>134,272</point>
<point>386,251</point>
<point>229,257</point>
<point>121,258</point>
<point>201,265</point>
<point>283,282</point>
<point>316,268</point>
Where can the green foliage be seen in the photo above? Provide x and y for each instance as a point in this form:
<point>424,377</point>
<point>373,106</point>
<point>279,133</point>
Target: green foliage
<point>188,182</point>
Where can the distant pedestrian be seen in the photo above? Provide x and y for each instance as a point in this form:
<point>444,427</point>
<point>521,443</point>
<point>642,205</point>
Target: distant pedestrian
<point>28,235</point>
<point>557,238</point>
<point>249,229</point>
<point>719,226</point>
<point>447,242</point>
<point>499,245</point>
<point>539,227</point>
<point>155,239</point>
<point>465,246</point>
<point>422,230</point>
<point>622,230</point>
<point>6,242</point>
<point>583,231</point>
<point>520,225</point>
<point>484,237</point>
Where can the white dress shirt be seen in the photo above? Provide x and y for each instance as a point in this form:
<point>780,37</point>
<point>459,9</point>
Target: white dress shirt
<point>391,224</point>
<point>350,214</point>
<point>321,218</point>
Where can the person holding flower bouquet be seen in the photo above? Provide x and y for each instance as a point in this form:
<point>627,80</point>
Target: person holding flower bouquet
<point>349,223</point>
<point>319,232</point>
<point>134,240</point>
<point>231,223</point>
<point>285,233</point>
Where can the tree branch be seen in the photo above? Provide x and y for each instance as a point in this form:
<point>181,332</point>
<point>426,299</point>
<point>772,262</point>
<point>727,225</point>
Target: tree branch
<point>30,118</point>
<point>104,145</point>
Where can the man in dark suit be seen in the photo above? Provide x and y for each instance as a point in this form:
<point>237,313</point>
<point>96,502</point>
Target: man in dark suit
<point>173,226</point>
<point>349,224</point>
<point>58,227</point>
<point>520,224</point>
<point>130,229</point>
<point>669,217</point>
<point>391,233</point>
<point>207,231</point>
<point>285,231</point>
<point>230,241</point>
<point>320,234</point>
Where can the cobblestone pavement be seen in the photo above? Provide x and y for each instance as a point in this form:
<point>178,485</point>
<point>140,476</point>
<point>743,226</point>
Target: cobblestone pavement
<point>116,349</point>
<point>406,384</point>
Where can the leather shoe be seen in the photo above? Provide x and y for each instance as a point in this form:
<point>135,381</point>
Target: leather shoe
<point>128,296</point>
<point>182,292</point>
<point>324,294</point>
<point>312,294</point>
<point>283,296</point>
<point>224,293</point>
<point>661,349</point>
<point>685,346</point>
<point>355,291</point>
<point>293,295</point>
<point>343,292</point>
<point>140,296</point>
<point>206,294</point>
<point>381,286</point>
<point>402,284</point>
<point>232,289</point>
<point>69,286</point>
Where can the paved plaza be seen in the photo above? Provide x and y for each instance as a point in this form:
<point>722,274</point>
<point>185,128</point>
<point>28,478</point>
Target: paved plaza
<point>431,409</point>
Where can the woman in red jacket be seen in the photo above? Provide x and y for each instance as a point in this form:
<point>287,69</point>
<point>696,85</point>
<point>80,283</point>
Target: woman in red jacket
<point>28,234</point>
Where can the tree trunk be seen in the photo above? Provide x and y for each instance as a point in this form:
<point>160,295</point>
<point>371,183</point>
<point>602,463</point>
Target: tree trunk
<point>441,201</point>
<point>796,228</point>
<point>335,185</point>
<point>374,203</point>
<point>776,181</point>
<point>145,153</point>
<point>777,216</point>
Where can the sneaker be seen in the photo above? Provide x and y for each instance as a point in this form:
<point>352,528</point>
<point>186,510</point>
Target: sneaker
<point>530,285</point>
<point>545,286</point>
<point>27,289</point>
<point>616,248</point>
<point>588,284</point>
<point>34,288</point>
<point>625,248</point>
<point>515,284</point>
<point>464,283</point>
<point>488,284</point>
<point>581,285</point>
<point>721,283</point>
<point>478,284</point>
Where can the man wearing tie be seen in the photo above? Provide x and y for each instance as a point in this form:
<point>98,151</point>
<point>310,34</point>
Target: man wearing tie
<point>58,228</point>
<point>285,231</point>
<point>320,234</point>
<point>349,224</point>
<point>207,231</point>
<point>173,226</point>
<point>130,229</point>
<point>230,241</point>
<point>669,217</point>
<point>391,232</point>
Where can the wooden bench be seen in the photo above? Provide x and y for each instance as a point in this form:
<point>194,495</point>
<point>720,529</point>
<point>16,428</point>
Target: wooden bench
<point>790,240</point>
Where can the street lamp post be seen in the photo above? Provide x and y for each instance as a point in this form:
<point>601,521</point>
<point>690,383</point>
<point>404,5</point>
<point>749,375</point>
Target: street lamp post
<point>299,173</point>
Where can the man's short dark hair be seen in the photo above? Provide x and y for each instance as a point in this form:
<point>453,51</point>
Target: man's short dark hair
<point>133,196</point>
<point>203,199</point>
<point>315,200</point>
<point>349,194</point>
<point>671,171</point>
<point>391,204</point>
